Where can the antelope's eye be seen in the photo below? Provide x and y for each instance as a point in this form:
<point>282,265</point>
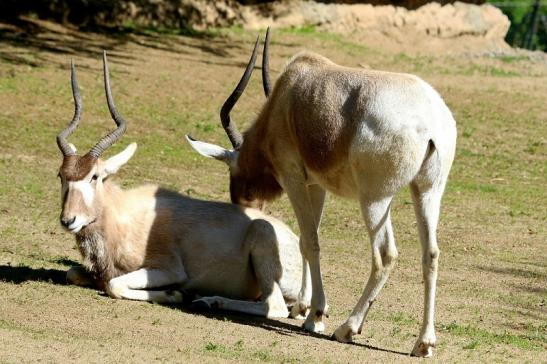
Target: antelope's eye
<point>95,177</point>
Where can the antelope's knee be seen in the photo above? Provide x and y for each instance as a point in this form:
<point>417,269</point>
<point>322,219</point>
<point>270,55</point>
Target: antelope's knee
<point>431,256</point>
<point>79,277</point>
<point>261,227</point>
<point>389,257</point>
<point>115,288</point>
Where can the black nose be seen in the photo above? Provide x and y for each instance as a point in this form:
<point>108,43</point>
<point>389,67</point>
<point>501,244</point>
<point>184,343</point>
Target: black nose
<point>65,221</point>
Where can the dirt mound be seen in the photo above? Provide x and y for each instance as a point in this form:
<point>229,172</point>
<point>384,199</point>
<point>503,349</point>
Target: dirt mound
<point>466,26</point>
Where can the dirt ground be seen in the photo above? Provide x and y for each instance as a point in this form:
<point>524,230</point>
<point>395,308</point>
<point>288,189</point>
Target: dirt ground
<point>493,268</point>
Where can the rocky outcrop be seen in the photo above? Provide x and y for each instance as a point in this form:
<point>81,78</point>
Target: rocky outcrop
<point>430,20</point>
<point>469,27</point>
<point>426,25</point>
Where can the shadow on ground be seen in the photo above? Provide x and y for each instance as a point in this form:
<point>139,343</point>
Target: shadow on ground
<point>279,327</point>
<point>21,274</point>
<point>33,39</point>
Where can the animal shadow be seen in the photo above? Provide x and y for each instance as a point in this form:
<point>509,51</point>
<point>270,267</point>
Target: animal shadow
<point>21,274</point>
<point>279,327</point>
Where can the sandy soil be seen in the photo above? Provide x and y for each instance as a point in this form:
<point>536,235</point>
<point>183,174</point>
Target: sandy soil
<point>493,271</point>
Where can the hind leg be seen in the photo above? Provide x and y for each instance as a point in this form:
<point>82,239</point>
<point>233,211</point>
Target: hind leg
<point>267,266</point>
<point>427,201</point>
<point>300,309</point>
<point>376,213</point>
<point>261,243</point>
<point>273,307</point>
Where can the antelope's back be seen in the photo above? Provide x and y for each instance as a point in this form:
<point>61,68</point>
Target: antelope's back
<point>330,109</point>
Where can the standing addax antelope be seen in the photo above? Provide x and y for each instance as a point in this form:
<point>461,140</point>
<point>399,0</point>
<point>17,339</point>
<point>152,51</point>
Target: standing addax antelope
<point>358,133</point>
<point>136,241</point>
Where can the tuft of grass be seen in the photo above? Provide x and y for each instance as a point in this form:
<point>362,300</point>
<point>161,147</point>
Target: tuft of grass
<point>471,346</point>
<point>205,127</point>
<point>534,147</point>
<point>239,345</point>
<point>415,64</point>
<point>512,59</point>
<point>473,187</point>
<point>401,318</point>
<point>301,30</point>
<point>487,70</point>
<point>263,355</point>
<point>222,351</point>
<point>216,348</point>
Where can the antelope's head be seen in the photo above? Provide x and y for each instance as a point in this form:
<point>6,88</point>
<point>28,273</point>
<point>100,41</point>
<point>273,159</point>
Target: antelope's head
<point>252,181</point>
<point>82,177</point>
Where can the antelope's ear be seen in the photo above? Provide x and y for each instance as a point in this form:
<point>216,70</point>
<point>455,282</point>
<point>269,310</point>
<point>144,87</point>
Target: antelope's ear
<point>113,164</point>
<point>73,147</point>
<point>213,151</point>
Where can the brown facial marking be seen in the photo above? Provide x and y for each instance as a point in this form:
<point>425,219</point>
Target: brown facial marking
<point>254,183</point>
<point>75,168</point>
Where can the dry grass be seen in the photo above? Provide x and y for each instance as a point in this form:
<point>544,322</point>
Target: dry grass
<point>493,272</point>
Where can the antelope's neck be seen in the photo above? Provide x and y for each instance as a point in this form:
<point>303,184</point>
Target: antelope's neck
<point>97,242</point>
<point>95,254</point>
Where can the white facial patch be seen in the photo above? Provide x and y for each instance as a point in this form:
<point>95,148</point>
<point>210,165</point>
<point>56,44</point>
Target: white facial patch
<point>78,224</point>
<point>85,189</point>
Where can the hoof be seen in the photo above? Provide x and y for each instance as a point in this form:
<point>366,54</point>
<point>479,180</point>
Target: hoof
<point>343,334</point>
<point>278,313</point>
<point>423,349</point>
<point>299,312</point>
<point>205,304</point>
<point>314,326</point>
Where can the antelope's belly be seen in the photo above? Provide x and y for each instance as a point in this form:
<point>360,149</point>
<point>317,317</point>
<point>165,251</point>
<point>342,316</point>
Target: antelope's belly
<point>339,181</point>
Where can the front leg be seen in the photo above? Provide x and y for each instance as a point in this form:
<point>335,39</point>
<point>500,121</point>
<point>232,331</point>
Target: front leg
<point>307,202</point>
<point>80,276</point>
<point>302,304</point>
<point>133,286</point>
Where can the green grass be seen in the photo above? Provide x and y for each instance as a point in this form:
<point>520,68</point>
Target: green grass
<point>512,59</point>
<point>471,345</point>
<point>263,355</point>
<point>402,319</point>
<point>486,337</point>
<point>335,39</point>
<point>489,70</point>
<point>239,351</point>
<point>491,229</point>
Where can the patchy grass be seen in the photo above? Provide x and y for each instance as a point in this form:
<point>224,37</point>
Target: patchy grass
<point>485,337</point>
<point>512,59</point>
<point>492,232</point>
<point>343,44</point>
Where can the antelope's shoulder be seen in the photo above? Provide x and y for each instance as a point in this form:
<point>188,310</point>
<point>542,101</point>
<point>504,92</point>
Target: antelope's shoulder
<point>145,192</point>
<point>305,60</point>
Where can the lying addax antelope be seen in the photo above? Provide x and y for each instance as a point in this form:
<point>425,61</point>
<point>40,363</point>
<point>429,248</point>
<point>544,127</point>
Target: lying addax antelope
<point>135,241</point>
<point>360,134</point>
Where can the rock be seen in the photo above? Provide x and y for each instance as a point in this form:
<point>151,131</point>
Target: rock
<point>366,22</point>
